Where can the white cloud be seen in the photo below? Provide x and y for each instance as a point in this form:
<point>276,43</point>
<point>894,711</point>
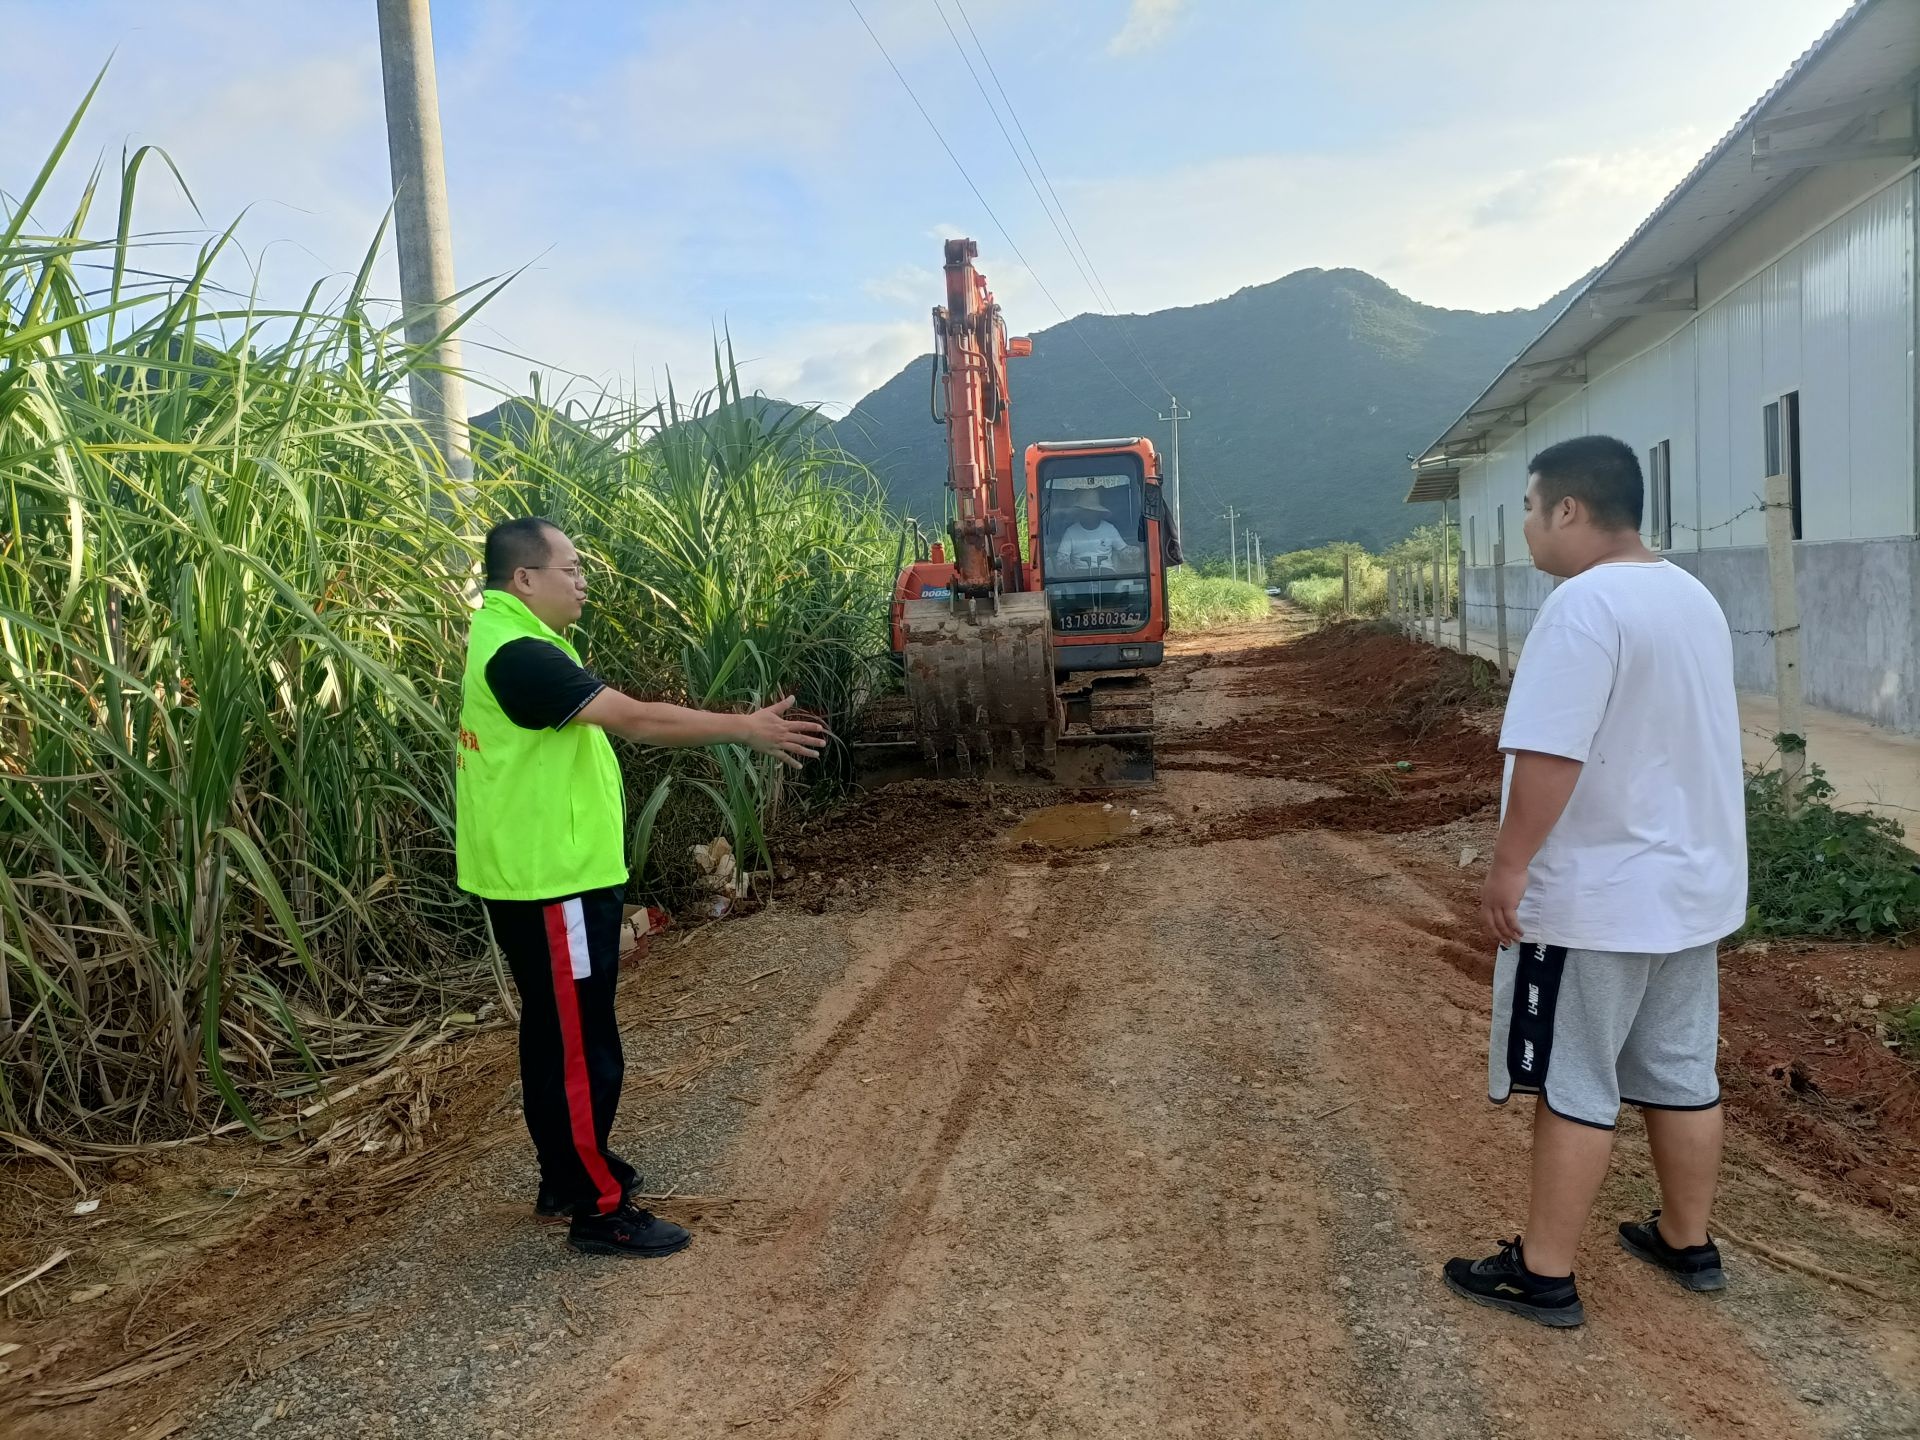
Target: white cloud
<point>1148,23</point>
<point>838,364</point>
<point>1493,241</point>
<point>907,285</point>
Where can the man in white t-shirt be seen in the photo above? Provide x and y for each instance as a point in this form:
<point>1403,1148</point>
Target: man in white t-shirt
<point>1091,544</point>
<point>1620,865</point>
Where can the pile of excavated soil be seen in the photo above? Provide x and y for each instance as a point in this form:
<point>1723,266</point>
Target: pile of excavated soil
<point>1405,733</point>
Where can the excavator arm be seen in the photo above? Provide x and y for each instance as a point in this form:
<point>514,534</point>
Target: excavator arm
<point>975,637</point>
<point>970,337</point>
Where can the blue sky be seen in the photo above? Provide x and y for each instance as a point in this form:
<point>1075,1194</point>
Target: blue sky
<point>658,169</point>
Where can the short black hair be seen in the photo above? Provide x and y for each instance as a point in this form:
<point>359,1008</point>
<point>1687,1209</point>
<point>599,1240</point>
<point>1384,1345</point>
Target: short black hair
<point>514,543</point>
<point>1602,473</point>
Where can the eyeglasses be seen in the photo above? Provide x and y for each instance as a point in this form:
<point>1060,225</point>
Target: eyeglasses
<point>573,570</point>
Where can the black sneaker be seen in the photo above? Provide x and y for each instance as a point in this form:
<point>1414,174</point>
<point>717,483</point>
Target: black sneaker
<point>1696,1266</point>
<point>627,1231</point>
<point>1504,1282</point>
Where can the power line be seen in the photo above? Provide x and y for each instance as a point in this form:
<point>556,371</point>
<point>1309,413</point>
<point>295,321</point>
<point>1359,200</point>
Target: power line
<point>1099,283</point>
<point>1004,235</point>
<point>1093,289</point>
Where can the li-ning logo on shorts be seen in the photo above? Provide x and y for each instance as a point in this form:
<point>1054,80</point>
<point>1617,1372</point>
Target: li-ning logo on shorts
<point>1526,1056</point>
<point>1533,999</point>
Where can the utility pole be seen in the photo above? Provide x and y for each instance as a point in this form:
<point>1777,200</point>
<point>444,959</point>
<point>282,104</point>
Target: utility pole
<point>422,231</point>
<point>1176,417</point>
<point>1233,542</point>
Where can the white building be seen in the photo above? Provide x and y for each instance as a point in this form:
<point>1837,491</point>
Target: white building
<point>1762,320</point>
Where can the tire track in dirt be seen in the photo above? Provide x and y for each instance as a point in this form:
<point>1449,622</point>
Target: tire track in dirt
<point>854,1161</point>
<point>1086,1269</point>
<point>1009,998</point>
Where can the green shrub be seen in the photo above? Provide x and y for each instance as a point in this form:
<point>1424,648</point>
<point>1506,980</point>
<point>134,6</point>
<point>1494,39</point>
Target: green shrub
<point>1905,1030</point>
<point>1825,871</point>
<point>1199,602</point>
<point>1326,595</point>
<point>1322,560</point>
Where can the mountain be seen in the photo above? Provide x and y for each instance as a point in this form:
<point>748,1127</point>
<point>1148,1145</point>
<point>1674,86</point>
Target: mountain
<point>1307,395</point>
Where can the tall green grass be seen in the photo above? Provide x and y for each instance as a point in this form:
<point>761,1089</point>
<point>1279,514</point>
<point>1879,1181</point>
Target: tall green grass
<point>1327,596</point>
<point>1317,580</point>
<point>234,589</point>
<point>1202,602</point>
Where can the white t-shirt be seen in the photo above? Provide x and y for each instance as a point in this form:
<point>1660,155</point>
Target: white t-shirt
<point>1629,669</point>
<point>1084,549</point>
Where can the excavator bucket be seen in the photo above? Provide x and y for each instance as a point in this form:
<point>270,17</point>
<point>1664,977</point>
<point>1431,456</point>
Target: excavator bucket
<point>980,682</point>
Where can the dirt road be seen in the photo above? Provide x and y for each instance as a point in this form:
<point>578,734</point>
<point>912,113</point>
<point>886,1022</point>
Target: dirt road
<point>1140,1125</point>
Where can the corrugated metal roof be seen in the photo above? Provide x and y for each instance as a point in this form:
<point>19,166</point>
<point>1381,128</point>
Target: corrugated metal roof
<point>1875,46</point>
<point>1434,482</point>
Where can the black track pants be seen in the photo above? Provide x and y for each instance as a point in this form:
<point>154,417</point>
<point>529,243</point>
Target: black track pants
<point>565,956</point>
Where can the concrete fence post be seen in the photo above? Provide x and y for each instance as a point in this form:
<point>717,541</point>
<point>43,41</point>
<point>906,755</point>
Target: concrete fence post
<point>1439,585</point>
<point>1500,590</point>
<point>1786,639</point>
<point>1460,600</point>
<point>1500,608</point>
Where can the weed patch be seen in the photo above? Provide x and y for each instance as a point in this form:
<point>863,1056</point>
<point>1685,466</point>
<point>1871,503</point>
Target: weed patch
<point>1825,871</point>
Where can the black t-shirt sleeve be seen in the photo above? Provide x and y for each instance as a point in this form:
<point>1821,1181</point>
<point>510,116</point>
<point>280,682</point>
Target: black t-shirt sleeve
<point>538,685</point>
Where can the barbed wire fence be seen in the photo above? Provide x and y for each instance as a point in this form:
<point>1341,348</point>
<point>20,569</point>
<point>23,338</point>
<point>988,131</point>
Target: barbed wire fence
<point>1424,610</point>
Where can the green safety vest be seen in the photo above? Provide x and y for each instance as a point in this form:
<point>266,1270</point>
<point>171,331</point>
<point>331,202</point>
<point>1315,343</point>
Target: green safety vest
<point>538,814</point>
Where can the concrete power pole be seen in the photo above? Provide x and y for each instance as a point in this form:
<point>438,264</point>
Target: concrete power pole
<point>424,236</point>
<point>1176,417</point>
<point>1233,540</point>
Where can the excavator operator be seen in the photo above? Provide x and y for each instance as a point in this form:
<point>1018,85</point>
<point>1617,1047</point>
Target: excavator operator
<point>1091,543</point>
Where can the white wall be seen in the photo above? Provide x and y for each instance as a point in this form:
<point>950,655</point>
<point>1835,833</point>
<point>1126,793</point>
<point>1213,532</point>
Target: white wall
<point>1832,318</point>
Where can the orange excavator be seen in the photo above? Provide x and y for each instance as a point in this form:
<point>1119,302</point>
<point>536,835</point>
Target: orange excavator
<point>1032,636</point>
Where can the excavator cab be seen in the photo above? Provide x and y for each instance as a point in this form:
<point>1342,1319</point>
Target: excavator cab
<point>1103,546</point>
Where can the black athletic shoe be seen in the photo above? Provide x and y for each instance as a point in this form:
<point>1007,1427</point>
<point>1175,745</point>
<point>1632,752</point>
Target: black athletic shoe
<point>1697,1266</point>
<point>1504,1282</point>
<point>627,1231</point>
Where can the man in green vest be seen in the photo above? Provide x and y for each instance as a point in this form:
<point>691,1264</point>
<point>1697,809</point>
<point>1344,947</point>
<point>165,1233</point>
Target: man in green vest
<point>540,837</point>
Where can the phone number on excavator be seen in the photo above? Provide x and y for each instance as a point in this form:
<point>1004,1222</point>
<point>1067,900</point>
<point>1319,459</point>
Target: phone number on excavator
<point>1103,620</point>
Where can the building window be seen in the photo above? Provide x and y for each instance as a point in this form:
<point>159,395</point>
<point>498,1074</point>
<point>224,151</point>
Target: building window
<point>1780,423</point>
<point>1660,495</point>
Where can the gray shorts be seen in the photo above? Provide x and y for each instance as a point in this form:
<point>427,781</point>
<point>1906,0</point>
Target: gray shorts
<point>1586,1029</point>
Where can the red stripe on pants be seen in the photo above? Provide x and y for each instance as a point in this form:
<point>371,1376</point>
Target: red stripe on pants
<point>566,1001</point>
